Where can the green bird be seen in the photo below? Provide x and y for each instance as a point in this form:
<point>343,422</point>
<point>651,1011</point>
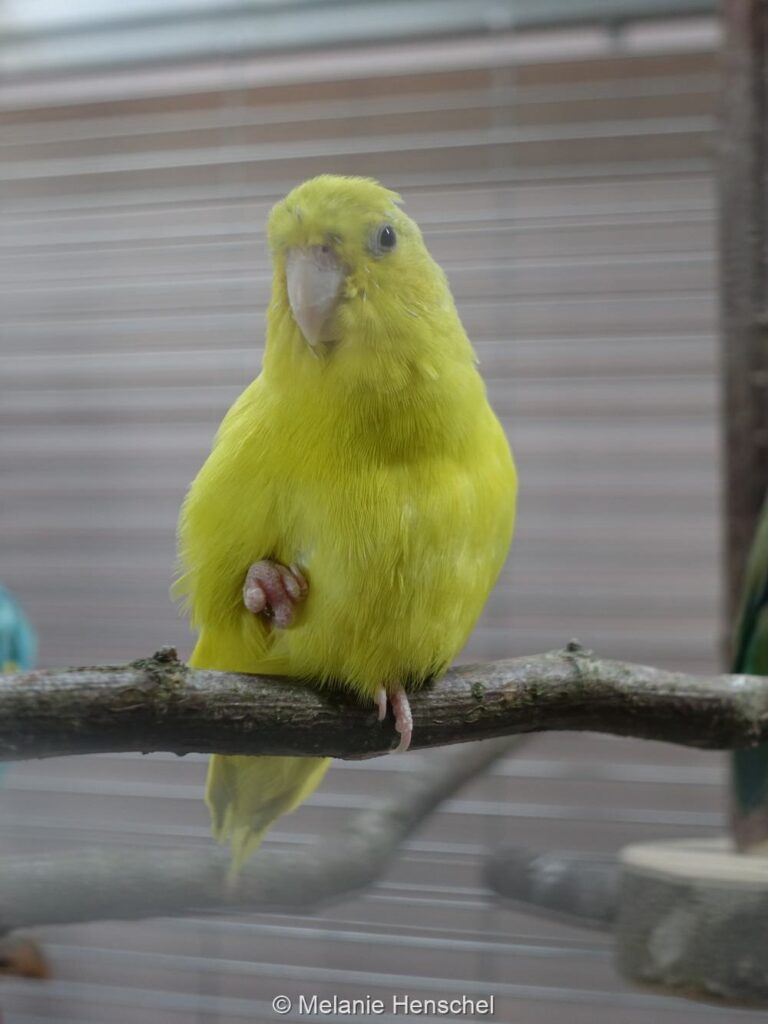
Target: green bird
<point>750,657</point>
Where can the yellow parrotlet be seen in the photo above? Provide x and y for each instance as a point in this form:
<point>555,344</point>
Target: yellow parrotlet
<point>359,500</point>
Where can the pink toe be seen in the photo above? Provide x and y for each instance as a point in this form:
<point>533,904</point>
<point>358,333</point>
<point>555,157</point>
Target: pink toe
<point>254,598</point>
<point>291,584</point>
<point>282,613</point>
<point>381,703</point>
<point>300,578</point>
<point>271,582</point>
<point>403,720</point>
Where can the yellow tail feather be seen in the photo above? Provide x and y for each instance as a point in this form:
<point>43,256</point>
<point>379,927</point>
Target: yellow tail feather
<point>246,794</point>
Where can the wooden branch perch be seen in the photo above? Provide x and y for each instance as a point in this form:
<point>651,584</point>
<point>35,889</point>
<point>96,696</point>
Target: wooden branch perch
<point>160,704</point>
<point>100,884</point>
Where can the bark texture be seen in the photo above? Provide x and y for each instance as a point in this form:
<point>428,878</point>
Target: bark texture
<point>158,703</point>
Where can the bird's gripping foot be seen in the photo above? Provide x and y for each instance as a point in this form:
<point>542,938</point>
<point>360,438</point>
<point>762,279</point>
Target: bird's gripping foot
<point>273,590</point>
<point>401,709</point>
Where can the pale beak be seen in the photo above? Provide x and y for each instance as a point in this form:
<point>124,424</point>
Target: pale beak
<point>314,276</point>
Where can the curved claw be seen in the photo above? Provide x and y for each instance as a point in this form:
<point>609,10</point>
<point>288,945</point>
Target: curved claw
<point>401,709</point>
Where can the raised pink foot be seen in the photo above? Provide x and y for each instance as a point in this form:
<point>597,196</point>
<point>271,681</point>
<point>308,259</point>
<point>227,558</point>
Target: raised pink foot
<point>273,590</point>
<point>403,717</point>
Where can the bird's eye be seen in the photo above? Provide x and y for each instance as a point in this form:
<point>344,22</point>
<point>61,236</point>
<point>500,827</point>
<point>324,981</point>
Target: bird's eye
<point>385,239</point>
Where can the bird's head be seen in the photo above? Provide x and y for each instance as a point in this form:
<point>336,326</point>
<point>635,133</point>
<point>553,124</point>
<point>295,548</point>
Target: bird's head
<point>352,273</point>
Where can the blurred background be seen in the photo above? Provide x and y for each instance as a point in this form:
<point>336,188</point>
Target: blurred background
<point>559,158</point>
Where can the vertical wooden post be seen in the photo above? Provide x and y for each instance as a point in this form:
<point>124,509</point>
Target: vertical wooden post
<point>743,176</point>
